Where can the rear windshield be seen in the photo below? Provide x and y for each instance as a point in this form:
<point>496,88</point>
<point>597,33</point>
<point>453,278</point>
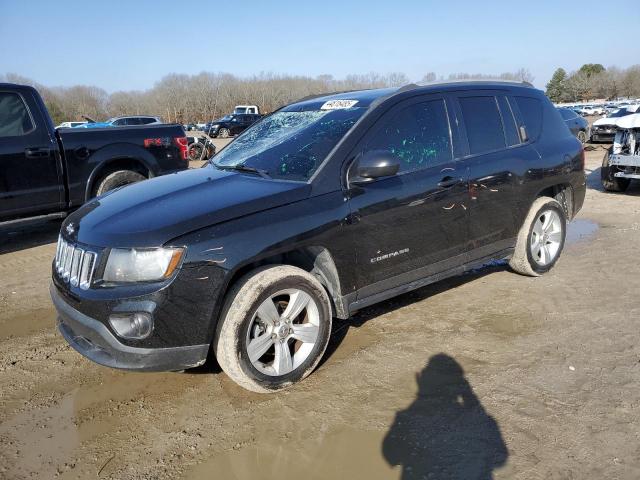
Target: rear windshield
<point>290,145</point>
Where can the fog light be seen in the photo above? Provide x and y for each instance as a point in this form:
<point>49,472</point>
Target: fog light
<point>136,325</point>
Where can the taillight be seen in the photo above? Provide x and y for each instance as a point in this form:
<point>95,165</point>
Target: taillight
<point>183,145</point>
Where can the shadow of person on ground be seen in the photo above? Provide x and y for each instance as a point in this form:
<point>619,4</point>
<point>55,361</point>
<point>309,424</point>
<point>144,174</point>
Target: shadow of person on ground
<point>445,433</point>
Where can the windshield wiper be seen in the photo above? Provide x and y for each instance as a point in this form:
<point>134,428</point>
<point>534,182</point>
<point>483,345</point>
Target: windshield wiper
<point>241,167</point>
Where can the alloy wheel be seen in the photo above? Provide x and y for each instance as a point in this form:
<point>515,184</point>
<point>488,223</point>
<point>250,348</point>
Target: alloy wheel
<point>546,237</point>
<point>283,332</point>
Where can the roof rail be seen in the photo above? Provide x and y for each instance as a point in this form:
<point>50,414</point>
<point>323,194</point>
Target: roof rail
<point>476,80</point>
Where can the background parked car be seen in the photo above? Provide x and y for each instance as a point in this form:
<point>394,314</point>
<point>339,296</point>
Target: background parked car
<point>604,129</point>
<point>231,125</point>
<point>124,121</point>
<point>70,124</point>
<point>578,125</point>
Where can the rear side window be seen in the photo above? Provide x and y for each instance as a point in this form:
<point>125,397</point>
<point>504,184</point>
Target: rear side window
<point>418,135</point>
<point>483,124</point>
<point>531,110</point>
<point>14,116</point>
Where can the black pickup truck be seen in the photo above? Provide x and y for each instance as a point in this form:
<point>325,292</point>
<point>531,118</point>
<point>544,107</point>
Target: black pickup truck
<point>46,172</point>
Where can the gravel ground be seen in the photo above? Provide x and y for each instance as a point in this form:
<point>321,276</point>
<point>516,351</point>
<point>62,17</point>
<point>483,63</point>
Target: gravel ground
<point>488,374</point>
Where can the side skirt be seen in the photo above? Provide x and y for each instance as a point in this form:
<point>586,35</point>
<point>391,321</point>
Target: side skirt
<point>358,304</point>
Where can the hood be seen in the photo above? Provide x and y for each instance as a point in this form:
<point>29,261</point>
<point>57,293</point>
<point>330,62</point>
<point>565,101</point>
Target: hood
<point>630,121</point>
<point>150,213</point>
<point>606,121</point>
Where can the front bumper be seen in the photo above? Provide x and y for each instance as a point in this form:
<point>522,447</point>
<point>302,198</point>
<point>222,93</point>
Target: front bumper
<point>93,340</point>
<point>602,137</point>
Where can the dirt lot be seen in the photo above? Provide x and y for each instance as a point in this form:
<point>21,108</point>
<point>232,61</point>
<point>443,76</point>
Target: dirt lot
<point>490,373</point>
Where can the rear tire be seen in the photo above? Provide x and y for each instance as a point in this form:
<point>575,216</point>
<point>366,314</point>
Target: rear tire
<point>274,328</point>
<point>609,182</point>
<point>117,179</point>
<point>541,238</point>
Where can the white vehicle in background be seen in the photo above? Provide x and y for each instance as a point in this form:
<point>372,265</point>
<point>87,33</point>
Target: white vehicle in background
<point>246,109</point>
<point>70,124</point>
<point>587,110</point>
<point>621,164</point>
<point>604,129</point>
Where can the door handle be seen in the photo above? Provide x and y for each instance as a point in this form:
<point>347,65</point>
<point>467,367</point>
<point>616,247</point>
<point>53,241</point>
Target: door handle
<point>36,152</point>
<point>447,182</point>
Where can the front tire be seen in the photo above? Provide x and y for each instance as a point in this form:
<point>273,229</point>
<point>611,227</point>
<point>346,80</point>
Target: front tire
<point>582,136</point>
<point>223,133</point>
<point>541,238</point>
<point>274,328</point>
<point>609,182</point>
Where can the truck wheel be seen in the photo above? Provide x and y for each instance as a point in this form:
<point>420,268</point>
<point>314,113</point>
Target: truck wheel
<point>274,328</point>
<point>541,238</point>
<point>117,179</point>
<point>223,133</point>
<point>609,182</point>
<point>195,151</point>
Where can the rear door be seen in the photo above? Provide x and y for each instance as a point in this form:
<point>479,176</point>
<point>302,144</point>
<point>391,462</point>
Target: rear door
<point>496,160</point>
<point>411,225</point>
<point>30,171</point>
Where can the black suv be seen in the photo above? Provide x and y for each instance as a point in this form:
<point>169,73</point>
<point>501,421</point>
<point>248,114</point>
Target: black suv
<point>326,206</point>
<point>231,125</point>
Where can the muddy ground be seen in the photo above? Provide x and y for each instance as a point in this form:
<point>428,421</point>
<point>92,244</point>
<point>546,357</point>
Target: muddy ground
<point>490,373</point>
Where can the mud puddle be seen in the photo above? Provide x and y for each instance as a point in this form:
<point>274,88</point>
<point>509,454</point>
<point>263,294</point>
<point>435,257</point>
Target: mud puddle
<point>344,453</point>
<point>580,230</point>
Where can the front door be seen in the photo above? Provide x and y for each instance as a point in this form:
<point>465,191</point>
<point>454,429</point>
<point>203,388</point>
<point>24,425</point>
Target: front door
<point>30,177</point>
<point>413,224</point>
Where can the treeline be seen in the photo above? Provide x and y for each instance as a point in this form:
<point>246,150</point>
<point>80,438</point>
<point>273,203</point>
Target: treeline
<point>203,97</point>
<point>594,81</point>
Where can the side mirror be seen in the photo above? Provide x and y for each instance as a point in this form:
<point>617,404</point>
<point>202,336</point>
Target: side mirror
<point>375,164</point>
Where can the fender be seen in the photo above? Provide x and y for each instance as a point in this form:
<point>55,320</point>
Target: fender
<point>101,158</point>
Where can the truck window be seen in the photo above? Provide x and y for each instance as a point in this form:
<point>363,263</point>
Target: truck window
<point>483,124</point>
<point>418,135</point>
<point>531,110</point>
<point>14,116</point>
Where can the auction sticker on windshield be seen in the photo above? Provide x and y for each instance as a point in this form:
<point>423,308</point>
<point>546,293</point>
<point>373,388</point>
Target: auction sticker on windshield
<point>338,104</point>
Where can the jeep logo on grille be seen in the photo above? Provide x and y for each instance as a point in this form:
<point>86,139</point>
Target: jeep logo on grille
<point>70,229</point>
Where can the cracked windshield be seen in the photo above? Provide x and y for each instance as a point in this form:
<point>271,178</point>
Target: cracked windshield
<point>289,145</point>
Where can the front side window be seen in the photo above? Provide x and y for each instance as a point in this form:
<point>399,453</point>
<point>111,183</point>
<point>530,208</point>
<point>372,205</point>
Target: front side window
<point>418,136</point>
<point>483,124</point>
<point>289,145</point>
<point>14,116</point>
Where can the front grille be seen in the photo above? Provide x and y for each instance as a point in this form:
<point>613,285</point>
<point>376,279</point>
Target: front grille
<point>74,264</point>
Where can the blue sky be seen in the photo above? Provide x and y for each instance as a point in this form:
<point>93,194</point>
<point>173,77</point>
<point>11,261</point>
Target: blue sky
<point>126,45</point>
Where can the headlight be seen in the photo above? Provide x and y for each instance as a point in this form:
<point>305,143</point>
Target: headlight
<point>141,265</point>
<point>214,127</point>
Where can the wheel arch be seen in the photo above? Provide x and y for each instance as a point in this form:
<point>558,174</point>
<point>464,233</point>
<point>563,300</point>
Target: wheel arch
<point>563,193</point>
<point>114,164</point>
<point>316,260</point>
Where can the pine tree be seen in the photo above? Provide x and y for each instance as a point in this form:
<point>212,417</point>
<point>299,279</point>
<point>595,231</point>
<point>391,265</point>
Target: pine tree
<point>556,89</point>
